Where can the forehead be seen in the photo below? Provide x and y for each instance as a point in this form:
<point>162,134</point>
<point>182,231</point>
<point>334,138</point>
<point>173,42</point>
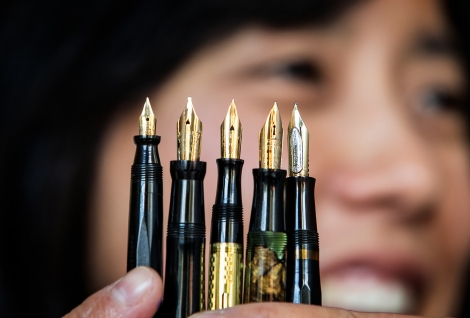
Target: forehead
<point>396,25</point>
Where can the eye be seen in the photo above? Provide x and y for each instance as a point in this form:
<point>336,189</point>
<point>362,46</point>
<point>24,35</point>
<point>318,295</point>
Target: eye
<point>441,100</point>
<point>305,71</point>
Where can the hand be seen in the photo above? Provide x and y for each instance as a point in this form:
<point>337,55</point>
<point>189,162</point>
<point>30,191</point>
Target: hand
<point>278,310</point>
<point>138,294</point>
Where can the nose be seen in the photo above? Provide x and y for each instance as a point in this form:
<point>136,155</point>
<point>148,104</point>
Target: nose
<point>380,160</point>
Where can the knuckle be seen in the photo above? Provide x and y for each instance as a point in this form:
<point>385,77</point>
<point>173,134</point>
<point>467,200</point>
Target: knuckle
<point>97,305</point>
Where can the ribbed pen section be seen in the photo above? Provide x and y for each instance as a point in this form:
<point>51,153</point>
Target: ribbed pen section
<point>146,172</point>
<point>188,230</point>
<point>302,237</point>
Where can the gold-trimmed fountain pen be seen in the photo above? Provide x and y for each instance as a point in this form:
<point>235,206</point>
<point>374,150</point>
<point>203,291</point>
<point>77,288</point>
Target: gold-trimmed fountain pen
<point>266,246</point>
<point>184,280</point>
<point>226,244</point>
<point>303,277</point>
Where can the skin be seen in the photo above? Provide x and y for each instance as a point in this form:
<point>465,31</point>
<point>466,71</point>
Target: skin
<point>391,165</point>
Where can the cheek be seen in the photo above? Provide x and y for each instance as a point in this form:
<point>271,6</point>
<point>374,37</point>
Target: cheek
<point>455,216</point>
<point>108,220</point>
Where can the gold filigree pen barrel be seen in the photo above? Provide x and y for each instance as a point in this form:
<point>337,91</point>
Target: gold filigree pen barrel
<point>184,279</point>
<point>226,253</point>
<point>303,275</point>
<point>266,247</point>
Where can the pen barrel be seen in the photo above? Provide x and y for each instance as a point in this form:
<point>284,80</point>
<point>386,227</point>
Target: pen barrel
<point>226,251</point>
<point>146,206</point>
<point>184,276</point>
<point>184,280</point>
<point>303,274</point>
<point>266,245</point>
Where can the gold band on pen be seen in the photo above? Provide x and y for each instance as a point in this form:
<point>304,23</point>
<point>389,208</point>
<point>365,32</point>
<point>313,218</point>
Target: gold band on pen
<point>303,253</point>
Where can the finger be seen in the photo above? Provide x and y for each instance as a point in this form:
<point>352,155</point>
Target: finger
<point>138,294</point>
<point>278,310</point>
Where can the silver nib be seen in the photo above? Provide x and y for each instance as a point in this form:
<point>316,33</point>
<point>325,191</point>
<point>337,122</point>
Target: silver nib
<point>297,135</point>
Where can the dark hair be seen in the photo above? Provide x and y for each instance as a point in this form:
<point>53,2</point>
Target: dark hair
<point>64,68</point>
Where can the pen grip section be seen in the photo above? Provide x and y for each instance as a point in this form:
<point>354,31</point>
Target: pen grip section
<point>265,272</point>
<point>147,150</point>
<point>229,189</point>
<point>184,292</point>
<point>187,192</point>
<point>303,272</point>
<point>300,204</point>
<point>267,213</point>
<point>146,207</point>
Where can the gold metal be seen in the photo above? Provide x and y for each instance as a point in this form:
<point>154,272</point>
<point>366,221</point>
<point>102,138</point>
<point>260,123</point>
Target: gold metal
<point>189,131</point>
<point>225,275</point>
<point>231,134</point>
<point>270,141</point>
<point>297,136</point>
<point>303,253</point>
<point>147,121</point>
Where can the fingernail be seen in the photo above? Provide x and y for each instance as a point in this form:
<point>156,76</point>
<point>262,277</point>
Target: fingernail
<point>133,287</point>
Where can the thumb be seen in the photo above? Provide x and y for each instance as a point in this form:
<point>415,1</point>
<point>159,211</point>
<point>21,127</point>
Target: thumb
<point>278,310</point>
<point>138,294</point>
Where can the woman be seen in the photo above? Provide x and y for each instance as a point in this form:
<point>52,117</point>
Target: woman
<point>380,85</point>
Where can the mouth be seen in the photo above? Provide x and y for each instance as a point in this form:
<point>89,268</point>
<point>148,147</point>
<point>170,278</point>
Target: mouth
<point>373,284</point>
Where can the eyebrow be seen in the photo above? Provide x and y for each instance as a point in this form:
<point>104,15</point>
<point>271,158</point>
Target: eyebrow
<point>434,44</point>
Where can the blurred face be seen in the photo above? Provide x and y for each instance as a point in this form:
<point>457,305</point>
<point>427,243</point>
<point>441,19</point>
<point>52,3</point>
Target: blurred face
<point>379,90</point>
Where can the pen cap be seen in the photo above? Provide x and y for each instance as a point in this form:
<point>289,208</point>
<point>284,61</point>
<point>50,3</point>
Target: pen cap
<point>187,192</point>
<point>267,213</point>
<point>300,204</point>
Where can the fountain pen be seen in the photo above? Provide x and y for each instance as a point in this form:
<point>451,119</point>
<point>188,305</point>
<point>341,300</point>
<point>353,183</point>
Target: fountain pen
<point>146,203</point>
<point>303,277</point>
<point>266,246</point>
<point>184,280</point>
<point>226,244</point>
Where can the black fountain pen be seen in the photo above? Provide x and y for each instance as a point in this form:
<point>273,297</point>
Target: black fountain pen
<point>266,247</point>
<point>303,277</point>
<point>146,205</point>
<point>184,279</point>
<point>226,248</point>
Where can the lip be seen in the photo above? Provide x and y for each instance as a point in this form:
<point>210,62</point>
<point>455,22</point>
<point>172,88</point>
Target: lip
<point>388,264</point>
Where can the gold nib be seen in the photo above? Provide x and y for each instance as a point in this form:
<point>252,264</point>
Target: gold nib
<point>270,141</point>
<point>231,134</point>
<point>147,120</point>
<point>297,135</point>
<point>189,131</point>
